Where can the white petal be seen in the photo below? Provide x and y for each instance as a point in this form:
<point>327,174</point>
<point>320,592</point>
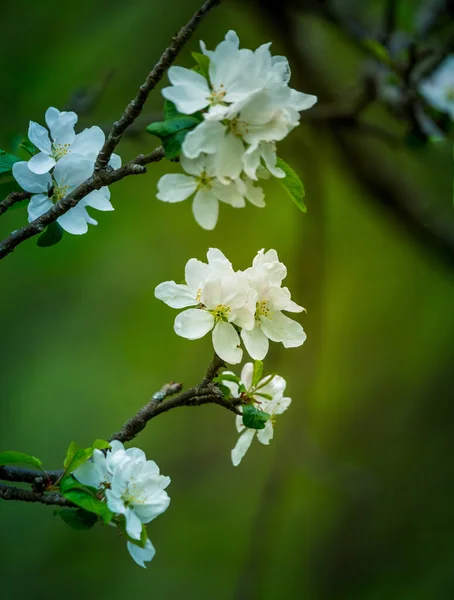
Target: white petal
<point>301,101</point>
<point>89,142</point>
<point>37,206</point>
<point>246,375</point>
<point>255,194</point>
<point>193,166</point>
<point>229,194</point>
<point>183,76</point>
<point>29,181</point>
<point>115,161</point>
<point>74,221</point>
<point>196,273</point>
<point>72,170</point>
<point>175,295</point>
<point>141,555</point>
<point>151,509</point>
<point>39,136</point>
<point>115,503</point>
<point>229,157</point>
<point>193,323</point>
<point>265,435</point>
<point>99,199</point>
<point>175,188</point>
<point>206,137</point>
<point>226,343</point>
<point>206,209</point>
<point>280,328</point>
<point>242,446</point>
<point>41,163</point>
<point>133,524</point>
<point>255,342</point>
<point>268,151</point>
<point>62,128</point>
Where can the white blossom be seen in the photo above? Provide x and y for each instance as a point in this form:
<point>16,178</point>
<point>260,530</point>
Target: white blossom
<point>63,140</point>
<point>207,189</point>
<point>265,278</point>
<point>132,486</point>
<point>221,299</point>
<point>438,89</point>
<point>69,172</point>
<point>260,394</point>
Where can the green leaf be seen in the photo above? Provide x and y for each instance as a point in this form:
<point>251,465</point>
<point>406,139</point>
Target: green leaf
<point>292,184</point>
<point>378,50</point>
<point>257,373</point>
<point>11,457</point>
<point>253,417</point>
<point>266,396</point>
<point>170,111</point>
<point>87,500</point>
<point>173,130</point>
<point>51,236</point>
<point>77,518</point>
<point>7,161</point>
<point>225,391</point>
<point>28,147</point>
<point>77,456</point>
<point>203,64</point>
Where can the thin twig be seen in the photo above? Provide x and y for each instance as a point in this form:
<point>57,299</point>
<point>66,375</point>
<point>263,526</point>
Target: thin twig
<point>103,175</point>
<point>11,199</point>
<point>8,492</point>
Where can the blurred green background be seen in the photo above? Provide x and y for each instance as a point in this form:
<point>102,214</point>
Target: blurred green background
<point>354,497</point>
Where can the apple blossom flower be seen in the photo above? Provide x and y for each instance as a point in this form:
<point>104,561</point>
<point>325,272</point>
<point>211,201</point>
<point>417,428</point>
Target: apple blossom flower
<point>69,172</point>
<point>265,278</point>
<point>268,396</point>
<point>234,74</point>
<point>133,488</point>
<point>208,190</point>
<point>222,300</point>
<point>63,140</point>
<point>438,89</point>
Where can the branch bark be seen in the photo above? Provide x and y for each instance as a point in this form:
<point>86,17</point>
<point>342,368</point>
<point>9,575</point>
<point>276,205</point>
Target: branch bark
<point>103,175</point>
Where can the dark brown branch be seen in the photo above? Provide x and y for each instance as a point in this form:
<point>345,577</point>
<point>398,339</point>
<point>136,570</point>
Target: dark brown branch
<point>95,182</point>
<point>12,199</point>
<point>12,493</point>
<point>32,476</point>
<point>135,107</point>
<point>103,176</point>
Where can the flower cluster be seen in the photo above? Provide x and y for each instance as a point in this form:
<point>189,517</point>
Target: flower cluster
<point>235,303</point>
<point>132,487</point>
<point>64,161</point>
<point>266,395</point>
<point>246,107</point>
<point>438,89</point>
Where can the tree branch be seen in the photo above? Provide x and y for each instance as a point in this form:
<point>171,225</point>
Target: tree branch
<point>134,108</point>
<point>12,199</point>
<point>103,174</point>
<point>12,493</point>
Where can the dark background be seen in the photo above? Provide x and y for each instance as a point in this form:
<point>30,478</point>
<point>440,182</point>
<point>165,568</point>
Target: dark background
<point>353,500</point>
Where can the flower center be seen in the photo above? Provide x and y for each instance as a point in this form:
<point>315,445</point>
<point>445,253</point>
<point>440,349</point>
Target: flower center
<point>204,182</point>
<point>238,127</point>
<point>199,295</point>
<point>449,94</point>
<point>60,150</point>
<point>59,192</point>
<point>220,313</point>
<point>262,309</point>
<point>217,95</point>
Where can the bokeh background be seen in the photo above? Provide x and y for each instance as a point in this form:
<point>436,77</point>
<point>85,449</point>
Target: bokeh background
<point>354,498</point>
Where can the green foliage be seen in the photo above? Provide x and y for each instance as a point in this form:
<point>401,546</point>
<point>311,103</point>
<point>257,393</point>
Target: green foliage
<point>86,499</point>
<point>173,129</point>
<point>257,373</point>
<point>7,161</point>
<point>76,456</point>
<point>11,457</point>
<point>378,51</point>
<point>292,184</point>
<point>77,518</point>
<point>27,147</point>
<point>225,391</point>
<point>203,64</point>
<point>253,417</point>
<point>51,236</point>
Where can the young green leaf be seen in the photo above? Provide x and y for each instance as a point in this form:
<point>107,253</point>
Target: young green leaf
<point>51,236</point>
<point>227,377</point>
<point>225,391</point>
<point>87,500</point>
<point>203,64</point>
<point>28,147</point>
<point>72,449</point>
<point>77,518</point>
<point>10,457</point>
<point>7,161</point>
<point>378,50</point>
<point>292,184</point>
<point>170,111</point>
<point>253,417</point>
<point>257,373</point>
<point>77,456</point>
<point>173,130</point>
